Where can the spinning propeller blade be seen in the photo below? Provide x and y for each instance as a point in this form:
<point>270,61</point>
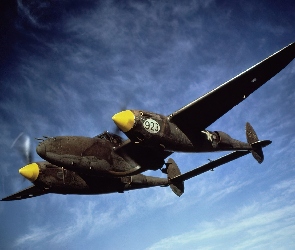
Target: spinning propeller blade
<point>23,144</point>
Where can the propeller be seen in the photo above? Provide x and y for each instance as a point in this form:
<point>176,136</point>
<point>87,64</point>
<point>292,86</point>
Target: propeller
<point>23,145</point>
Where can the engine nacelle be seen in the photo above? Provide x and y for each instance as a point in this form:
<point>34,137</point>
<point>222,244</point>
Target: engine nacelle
<point>152,130</point>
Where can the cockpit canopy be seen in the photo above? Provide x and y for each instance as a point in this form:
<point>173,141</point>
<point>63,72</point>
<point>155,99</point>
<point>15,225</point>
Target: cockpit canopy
<point>116,140</point>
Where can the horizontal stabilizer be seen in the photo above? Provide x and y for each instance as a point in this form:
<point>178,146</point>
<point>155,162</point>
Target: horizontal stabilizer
<point>29,192</point>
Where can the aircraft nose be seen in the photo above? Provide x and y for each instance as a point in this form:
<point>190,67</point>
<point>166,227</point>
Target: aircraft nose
<point>41,149</point>
<point>124,120</point>
<point>30,171</point>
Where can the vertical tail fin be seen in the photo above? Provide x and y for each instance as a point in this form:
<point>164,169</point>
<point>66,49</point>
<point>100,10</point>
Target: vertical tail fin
<point>173,171</point>
<point>252,139</point>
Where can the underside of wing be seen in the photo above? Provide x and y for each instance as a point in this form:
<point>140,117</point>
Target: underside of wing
<point>202,112</point>
<point>216,163</point>
<point>29,192</point>
<point>145,157</point>
<point>209,166</point>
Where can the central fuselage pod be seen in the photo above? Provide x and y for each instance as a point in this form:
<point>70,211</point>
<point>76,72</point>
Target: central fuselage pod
<point>92,156</point>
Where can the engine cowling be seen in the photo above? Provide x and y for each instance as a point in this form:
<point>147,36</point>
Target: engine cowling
<point>152,130</point>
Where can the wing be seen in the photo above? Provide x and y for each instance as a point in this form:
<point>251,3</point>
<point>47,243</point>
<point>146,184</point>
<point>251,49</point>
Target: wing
<point>202,112</point>
<point>209,166</point>
<point>216,163</point>
<point>145,157</point>
<point>29,192</point>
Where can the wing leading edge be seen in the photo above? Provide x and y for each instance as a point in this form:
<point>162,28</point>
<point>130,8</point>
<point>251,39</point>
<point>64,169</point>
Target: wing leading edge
<point>201,113</point>
<point>29,192</point>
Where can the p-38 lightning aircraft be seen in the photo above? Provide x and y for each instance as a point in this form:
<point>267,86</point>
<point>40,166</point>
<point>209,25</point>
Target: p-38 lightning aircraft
<point>106,163</point>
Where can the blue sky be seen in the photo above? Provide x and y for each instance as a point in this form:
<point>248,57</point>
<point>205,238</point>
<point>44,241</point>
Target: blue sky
<point>67,66</point>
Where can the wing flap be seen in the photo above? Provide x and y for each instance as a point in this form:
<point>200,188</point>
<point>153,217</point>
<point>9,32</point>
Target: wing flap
<point>29,192</point>
<point>201,113</point>
<point>145,157</point>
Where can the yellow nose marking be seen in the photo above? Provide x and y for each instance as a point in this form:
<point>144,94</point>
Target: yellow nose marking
<point>30,171</point>
<point>124,120</point>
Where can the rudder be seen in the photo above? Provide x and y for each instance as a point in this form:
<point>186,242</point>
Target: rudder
<point>173,171</point>
<point>252,139</point>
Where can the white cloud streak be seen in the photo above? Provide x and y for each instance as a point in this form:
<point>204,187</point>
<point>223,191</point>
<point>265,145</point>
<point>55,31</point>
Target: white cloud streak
<point>159,57</point>
<point>256,226</point>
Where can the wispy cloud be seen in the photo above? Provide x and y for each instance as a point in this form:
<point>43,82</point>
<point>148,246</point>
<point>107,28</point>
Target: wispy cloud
<point>254,226</point>
<point>75,65</point>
